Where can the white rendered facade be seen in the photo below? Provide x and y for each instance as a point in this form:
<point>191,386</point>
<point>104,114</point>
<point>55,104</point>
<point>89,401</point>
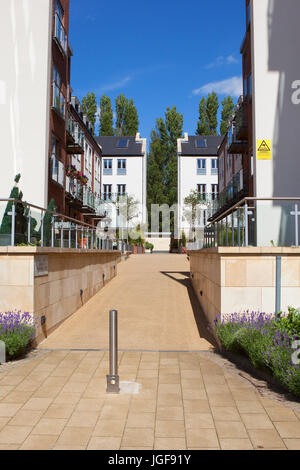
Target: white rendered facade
<point>275,37</point>
<point>25,50</point>
<point>124,174</point>
<point>198,172</point>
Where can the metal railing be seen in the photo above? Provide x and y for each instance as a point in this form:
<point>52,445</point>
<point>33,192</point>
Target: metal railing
<point>24,224</point>
<point>60,34</point>
<point>58,100</point>
<point>256,222</point>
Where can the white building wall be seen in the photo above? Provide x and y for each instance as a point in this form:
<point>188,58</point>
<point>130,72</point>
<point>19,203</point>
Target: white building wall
<point>25,46</point>
<point>135,181</point>
<point>276,70</point>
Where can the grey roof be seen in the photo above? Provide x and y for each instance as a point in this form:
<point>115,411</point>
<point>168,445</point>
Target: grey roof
<point>109,146</point>
<point>213,144</point>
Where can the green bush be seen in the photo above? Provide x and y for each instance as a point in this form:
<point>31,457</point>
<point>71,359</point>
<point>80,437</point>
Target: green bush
<point>267,341</point>
<point>17,332</point>
<point>149,246</point>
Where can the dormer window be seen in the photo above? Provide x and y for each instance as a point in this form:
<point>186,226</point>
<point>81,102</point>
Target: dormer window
<point>201,143</point>
<point>122,143</point>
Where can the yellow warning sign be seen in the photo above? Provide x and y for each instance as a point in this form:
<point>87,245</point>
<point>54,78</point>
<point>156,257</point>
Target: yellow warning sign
<point>264,150</point>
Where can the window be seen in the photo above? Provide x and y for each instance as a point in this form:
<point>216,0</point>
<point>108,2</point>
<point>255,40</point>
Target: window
<point>250,85</point>
<point>245,87</point>
<point>122,143</point>
<point>214,191</point>
<point>121,167</point>
<point>107,194</point>
<point>121,189</point>
<point>56,77</point>
<point>214,166</point>
<point>201,166</point>
<point>201,188</point>
<point>107,166</point>
<point>58,98</point>
<point>59,10</point>
<point>57,170</point>
<point>201,143</point>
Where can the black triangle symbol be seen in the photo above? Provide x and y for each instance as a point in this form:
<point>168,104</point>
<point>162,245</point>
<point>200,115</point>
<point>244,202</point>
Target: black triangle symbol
<point>264,147</point>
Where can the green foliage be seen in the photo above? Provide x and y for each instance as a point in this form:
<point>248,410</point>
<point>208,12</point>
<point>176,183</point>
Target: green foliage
<point>227,110</point>
<point>17,342</point>
<point>183,239</point>
<point>6,220</point>
<point>149,246</point>
<point>106,117</point>
<point>127,122</point>
<point>291,323</point>
<point>89,107</point>
<point>48,223</point>
<point>202,127</point>
<point>208,115</point>
<point>162,160</point>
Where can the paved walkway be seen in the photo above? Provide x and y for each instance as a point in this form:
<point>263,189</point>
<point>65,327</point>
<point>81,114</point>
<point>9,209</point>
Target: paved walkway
<point>186,401</point>
<point>157,310</point>
<point>58,399</point>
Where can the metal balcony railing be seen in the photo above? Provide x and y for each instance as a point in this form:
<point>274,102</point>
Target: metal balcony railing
<point>58,100</point>
<point>60,34</point>
<point>26,224</point>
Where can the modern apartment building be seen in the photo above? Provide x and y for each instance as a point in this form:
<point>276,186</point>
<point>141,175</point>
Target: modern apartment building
<point>124,173</point>
<point>44,132</point>
<point>259,155</point>
<point>197,171</point>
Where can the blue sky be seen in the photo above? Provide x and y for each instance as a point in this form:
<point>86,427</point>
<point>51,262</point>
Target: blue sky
<point>158,52</point>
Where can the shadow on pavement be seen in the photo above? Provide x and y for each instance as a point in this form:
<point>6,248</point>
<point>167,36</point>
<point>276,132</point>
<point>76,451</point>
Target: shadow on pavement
<point>200,319</point>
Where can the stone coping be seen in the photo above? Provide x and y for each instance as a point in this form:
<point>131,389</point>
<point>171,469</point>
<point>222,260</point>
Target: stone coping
<point>263,250</point>
<point>32,250</point>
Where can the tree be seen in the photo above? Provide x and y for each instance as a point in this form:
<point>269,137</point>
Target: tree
<point>7,219</point>
<point>89,107</point>
<point>121,107</point>
<point>194,203</point>
<point>131,120</point>
<point>106,116</point>
<point>162,161</point>
<point>227,110</point>
<point>212,106</point>
<point>202,128</point>
<point>127,121</point>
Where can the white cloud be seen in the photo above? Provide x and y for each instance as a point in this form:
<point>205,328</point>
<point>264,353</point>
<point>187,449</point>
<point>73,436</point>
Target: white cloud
<point>232,86</point>
<point>221,60</point>
<point>115,85</point>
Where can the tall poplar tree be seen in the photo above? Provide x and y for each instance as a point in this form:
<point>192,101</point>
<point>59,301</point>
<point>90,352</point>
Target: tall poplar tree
<point>202,127</point>
<point>127,121</point>
<point>89,107</point>
<point>106,116</point>
<point>227,110</point>
<point>212,106</point>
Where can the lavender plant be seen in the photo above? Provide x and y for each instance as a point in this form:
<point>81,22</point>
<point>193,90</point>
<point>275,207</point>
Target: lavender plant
<point>267,342</point>
<point>17,330</point>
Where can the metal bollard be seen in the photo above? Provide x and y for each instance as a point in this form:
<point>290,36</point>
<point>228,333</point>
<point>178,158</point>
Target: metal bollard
<point>113,378</point>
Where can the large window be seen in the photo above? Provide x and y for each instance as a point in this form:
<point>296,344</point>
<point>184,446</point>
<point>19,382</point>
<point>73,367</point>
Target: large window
<point>121,167</point>
<point>201,188</point>
<point>59,32</point>
<point>107,192</point>
<point>58,102</point>
<point>121,189</point>
<point>214,191</point>
<point>201,166</point>
<point>214,166</point>
<point>107,166</point>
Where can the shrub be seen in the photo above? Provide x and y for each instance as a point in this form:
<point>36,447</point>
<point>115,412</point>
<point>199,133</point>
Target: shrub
<point>149,246</point>
<point>17,332</point>
<point>267,342</point>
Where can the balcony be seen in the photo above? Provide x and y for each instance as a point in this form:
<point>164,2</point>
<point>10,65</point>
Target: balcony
<point>75,137</point>
<point>74,190</point>
<point>60,35</point>
<point>234,144</point>
<point>58,102</point>
<point>57,171</point>
<point>88,199</point>
<point>236,190</point>
<point>241,120</point>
